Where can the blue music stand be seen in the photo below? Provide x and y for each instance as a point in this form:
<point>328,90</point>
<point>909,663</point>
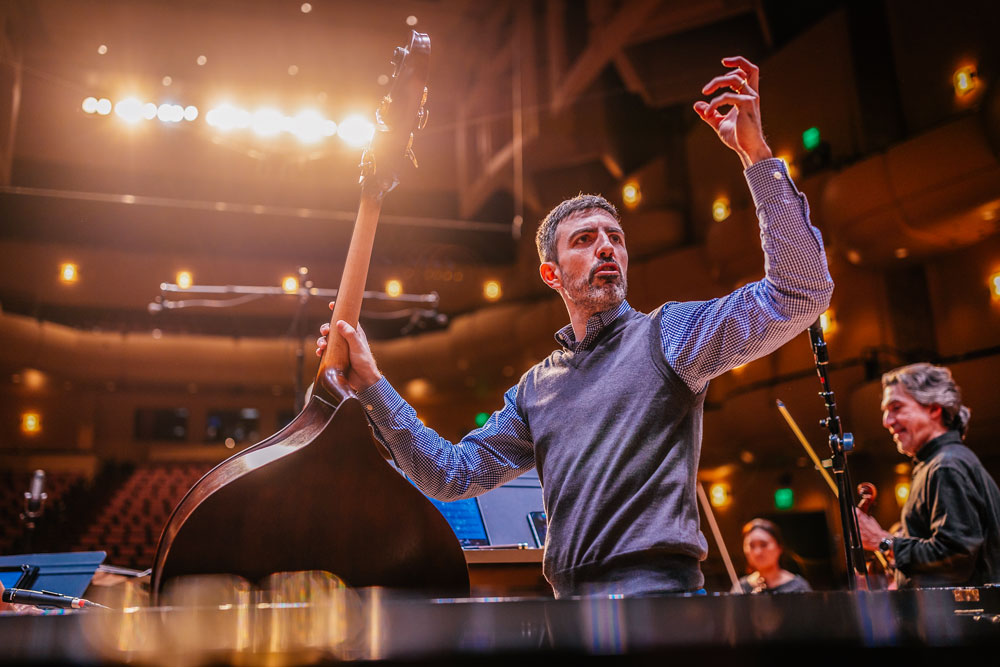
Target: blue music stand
<point>67,573</point>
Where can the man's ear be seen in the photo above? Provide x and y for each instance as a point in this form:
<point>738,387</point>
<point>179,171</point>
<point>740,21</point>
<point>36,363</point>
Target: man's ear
<point>550,275</point>
<point>935,412</point>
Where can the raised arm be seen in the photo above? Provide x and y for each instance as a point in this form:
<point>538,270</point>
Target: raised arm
<point>702,340</point>
<point>484,459</point>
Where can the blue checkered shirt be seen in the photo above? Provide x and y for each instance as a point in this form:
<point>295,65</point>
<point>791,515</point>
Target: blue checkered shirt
<point>701,340</point>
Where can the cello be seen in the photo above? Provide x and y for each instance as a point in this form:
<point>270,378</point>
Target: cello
<point>317,495</point>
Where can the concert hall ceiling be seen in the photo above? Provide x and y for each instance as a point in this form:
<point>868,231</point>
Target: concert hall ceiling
<point>530,102</point>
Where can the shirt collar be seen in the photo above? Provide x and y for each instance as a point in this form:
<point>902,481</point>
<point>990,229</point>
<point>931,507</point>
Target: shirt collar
<point>932,447</point>
<point>595,325</point>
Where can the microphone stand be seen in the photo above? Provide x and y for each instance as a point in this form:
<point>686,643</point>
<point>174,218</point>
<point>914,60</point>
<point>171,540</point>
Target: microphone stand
<point>840,444</point>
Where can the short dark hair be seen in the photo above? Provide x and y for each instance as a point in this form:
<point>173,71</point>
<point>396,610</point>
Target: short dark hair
<point>931,385</point>
<point>545,237</point>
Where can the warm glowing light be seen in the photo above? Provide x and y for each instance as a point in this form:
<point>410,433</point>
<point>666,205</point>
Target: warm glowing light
<point>230,443</point>
<point>290,284</point>
<point>491,290</point>
<point>201,60</point>
<point>129,110</point>
<point>965,80</point>
<point>382,79</point>
<point>306,8</point>
<point>827,321</point>
<point>170,113</point>
<point>184,279</point>
<point>68,273</point>
<point>33,378</point>
<point>994,283</point>
<point>90,105</point>
<point>719,494</point>
<point>355,130</point>
<point>103,106</point>
<point>227,117</point>
<point>393,288</point>
<point>901,253</point>
<point>293,70</point>
<point>190,112</point>
<point>309,126</point>
<point>267,122</point>
<point>149,111</point>
<point>31,423</point>
<point>720,209</point>
<point>167,80</point>
<point>631,194</point>
<point>102,49</point>
<point>902,492</point>
<point>411,20</point>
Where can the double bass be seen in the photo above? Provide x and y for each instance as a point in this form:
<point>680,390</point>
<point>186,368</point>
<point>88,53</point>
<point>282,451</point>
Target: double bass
<point>317,495</point>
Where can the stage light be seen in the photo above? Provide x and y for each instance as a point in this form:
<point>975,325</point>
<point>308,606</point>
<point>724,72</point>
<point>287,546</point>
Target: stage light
<point>230,443</point>
<point>31,423</point>
<point>481,419</point>
<point>227,117</point>
<point>719,494</point>
<point>965,80</point>
<point>382,79</point>
<point>631,194</point>
<point>309,126</point>
<point>290,284</point>
<point>184,279</point>
<point>293,70</point>
<point>167,80</point>
<point>356,131</point>
<point>411,20</point>
<point>720,209</point>
<point>393,288</point>
<point>784,498</point>
<point>810,138</point>
<point>827,321</point>
<point>901,253</point>
<point>170,113</point>
<point>306,8</point>
<point>190,112</point>
<point>68,273</point>
<point>747,456</point>
<point>491,290</point>
<point>994,283</point>
<point>267,122</point>
<point>129,110</point>
<point>201,60</point>
<point>329,128</point>
<point>90,105</point>
<point>33,378</point>
<point>103,106</point>
<point>102,49</point>
<point>902,492</point>
<point>149,111</point>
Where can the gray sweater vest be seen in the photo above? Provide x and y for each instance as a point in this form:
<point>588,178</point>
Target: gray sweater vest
<point>617,439</point>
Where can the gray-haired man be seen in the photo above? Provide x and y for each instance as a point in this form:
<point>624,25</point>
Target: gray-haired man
<point>951,520</point>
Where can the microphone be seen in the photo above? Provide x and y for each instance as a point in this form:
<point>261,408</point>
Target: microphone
<point>45,599</point>
<point>35,496</point>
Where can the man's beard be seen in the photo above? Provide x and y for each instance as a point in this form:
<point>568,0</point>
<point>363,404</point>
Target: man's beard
<point>598,294</point>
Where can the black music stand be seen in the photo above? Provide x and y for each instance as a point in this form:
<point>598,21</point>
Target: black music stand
<point>66,573</point>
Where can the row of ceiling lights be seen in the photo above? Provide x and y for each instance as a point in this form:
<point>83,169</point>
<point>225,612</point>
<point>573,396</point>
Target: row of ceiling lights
<point>308,125</point>
<point>492,290</point>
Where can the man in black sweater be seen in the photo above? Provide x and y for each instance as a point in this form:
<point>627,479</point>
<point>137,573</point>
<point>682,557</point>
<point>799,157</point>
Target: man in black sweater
<point>950,533</point>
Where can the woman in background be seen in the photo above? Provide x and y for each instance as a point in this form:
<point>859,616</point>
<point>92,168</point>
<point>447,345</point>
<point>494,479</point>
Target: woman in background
<point>763,547</point>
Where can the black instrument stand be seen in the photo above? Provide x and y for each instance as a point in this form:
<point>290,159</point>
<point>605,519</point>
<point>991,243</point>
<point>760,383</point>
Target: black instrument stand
<point>840,444</point>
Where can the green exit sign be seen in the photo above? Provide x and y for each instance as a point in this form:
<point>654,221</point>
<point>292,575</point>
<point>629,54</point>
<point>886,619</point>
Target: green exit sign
<point>810,138</point>
<point>784,499</point>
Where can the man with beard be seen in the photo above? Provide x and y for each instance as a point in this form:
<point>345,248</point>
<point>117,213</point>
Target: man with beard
<point>950,524</point>
<point>612,419</point>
